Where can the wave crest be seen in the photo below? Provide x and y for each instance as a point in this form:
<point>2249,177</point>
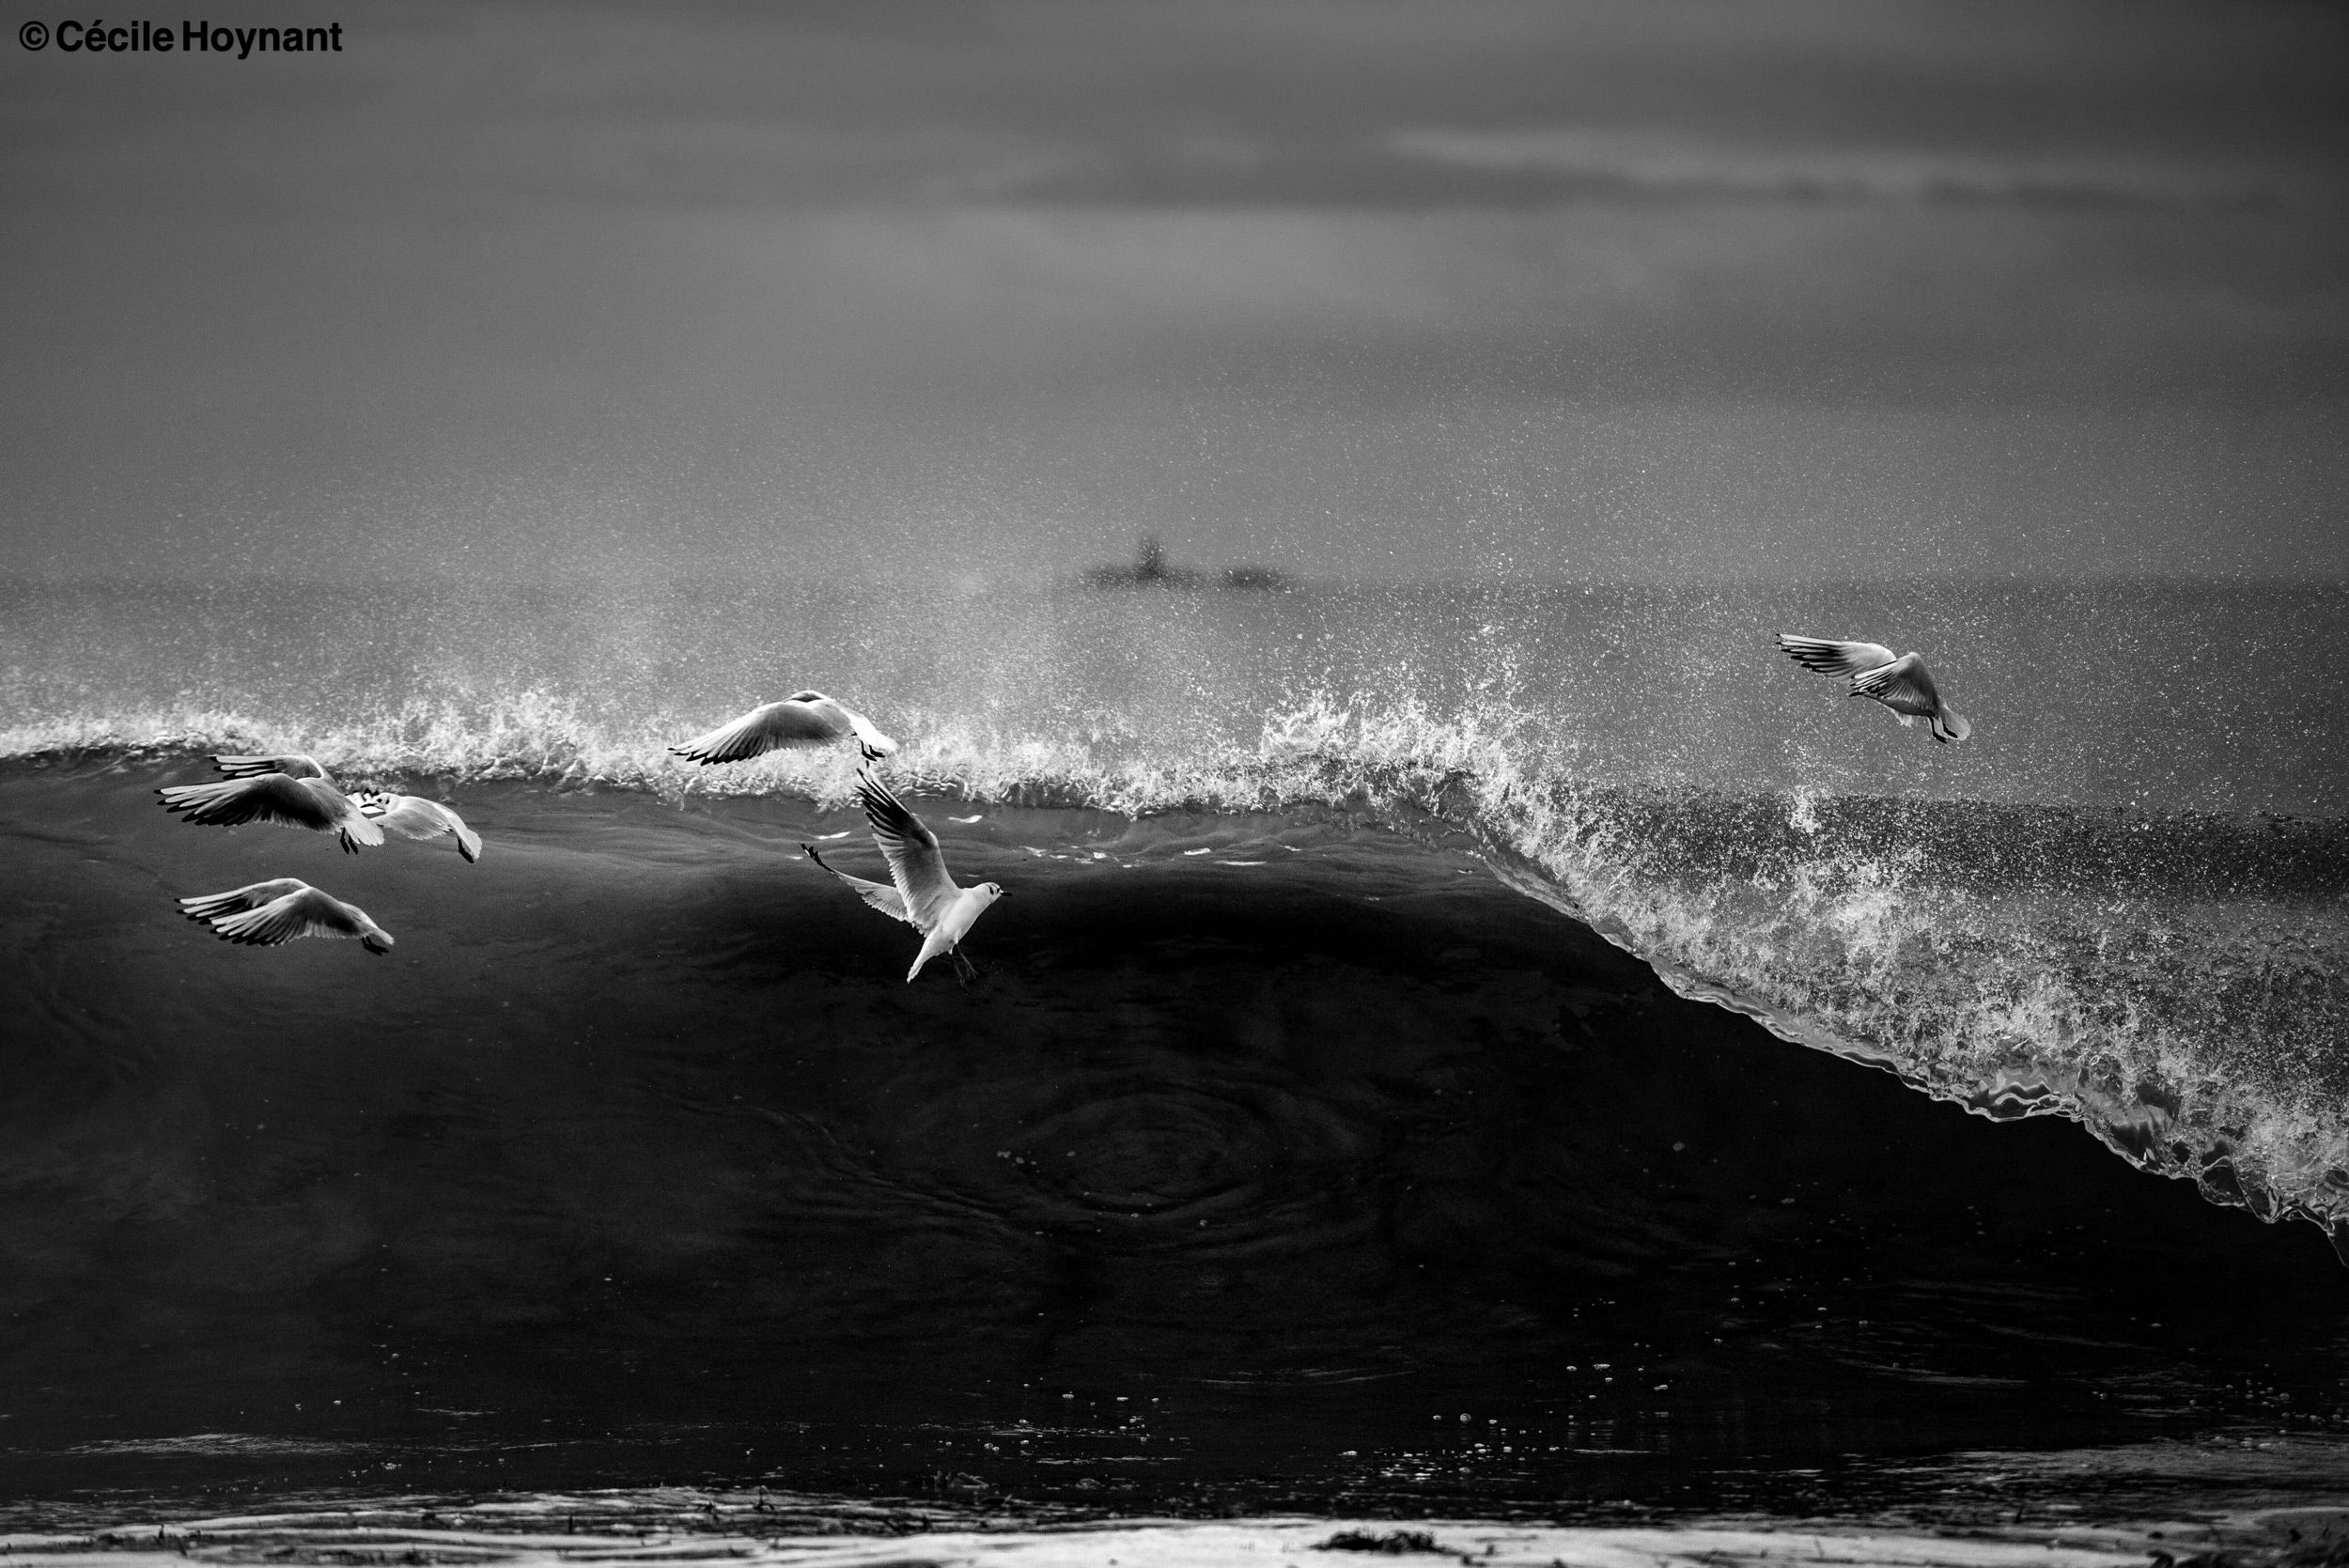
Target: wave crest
<point>2175,983</point>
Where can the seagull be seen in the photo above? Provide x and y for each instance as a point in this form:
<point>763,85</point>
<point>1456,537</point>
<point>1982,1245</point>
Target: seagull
<point>801,720</point>
<point>270,914</point>
<point>294,790</point>
<point>925,896</point>
<point>414,816</point>
<point>1904,684</point>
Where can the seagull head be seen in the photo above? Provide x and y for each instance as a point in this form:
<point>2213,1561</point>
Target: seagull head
<point>992,890</point>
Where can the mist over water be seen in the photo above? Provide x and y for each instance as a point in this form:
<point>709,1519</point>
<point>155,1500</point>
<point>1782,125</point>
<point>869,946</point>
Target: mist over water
<point>2091,694</point>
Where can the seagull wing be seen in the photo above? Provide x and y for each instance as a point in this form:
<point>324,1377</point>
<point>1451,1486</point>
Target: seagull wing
<point>204,906</point>
<point>260,798</point>
<point>306,913</point>
<point>771,728</point>
<point>1905,686</point>
<point>888,900</point>
<point>297,765</point>
<point>916,865</point>
<point>414,816</point>
<point>869,739</point>
<point>1830,657</point>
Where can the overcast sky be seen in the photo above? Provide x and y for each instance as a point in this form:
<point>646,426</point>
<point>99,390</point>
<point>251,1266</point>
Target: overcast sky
<point>971,290</point>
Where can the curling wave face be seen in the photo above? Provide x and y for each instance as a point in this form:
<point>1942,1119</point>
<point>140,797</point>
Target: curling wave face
<point>2084,914</point>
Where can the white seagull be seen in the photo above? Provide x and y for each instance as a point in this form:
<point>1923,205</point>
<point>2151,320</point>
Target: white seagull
<point>414,816</point>
<point>1904,684</point>
<point>269,914</point>
<point>801,720</point>
<point>294,790</point>
<point>925,897</point>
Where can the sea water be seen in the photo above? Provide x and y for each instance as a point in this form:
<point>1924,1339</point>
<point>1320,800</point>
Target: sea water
<point>1453,1049</point>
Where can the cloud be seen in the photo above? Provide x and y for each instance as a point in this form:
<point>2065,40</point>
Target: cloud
<point>1670,162</point>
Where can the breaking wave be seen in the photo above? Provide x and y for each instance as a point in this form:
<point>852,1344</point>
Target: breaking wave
<point>2175,982</point>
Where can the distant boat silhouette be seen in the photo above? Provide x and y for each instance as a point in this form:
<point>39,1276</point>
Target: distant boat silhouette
<point>1150,570</point>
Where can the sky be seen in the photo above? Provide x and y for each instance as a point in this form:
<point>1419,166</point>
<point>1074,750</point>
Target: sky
<point>969,292</point>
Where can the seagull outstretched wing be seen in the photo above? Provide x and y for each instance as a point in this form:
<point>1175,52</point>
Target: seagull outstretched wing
<point>916,863</point>
<point>205,906</point>
<point>888,900</point>
<point>805,719</point>
<point>294,765</point>
<point>1831,658</point>
<point>311,803</point>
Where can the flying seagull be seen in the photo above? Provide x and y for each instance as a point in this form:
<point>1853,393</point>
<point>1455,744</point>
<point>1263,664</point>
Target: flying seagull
<point>294,790</point>
<point>1904,684</point>
<point>801,720</point>
<point>925,896</point>
<point>414,816</point>
<point>270,914</point>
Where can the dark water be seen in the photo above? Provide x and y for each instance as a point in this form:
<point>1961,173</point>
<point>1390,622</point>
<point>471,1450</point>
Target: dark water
<point>1360,1151</point>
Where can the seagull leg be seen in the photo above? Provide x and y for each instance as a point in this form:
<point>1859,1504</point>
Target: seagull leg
<point>965,970</point>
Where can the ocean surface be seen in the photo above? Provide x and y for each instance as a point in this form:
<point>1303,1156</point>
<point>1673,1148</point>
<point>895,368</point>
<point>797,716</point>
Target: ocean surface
<point>1454,1050</point>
